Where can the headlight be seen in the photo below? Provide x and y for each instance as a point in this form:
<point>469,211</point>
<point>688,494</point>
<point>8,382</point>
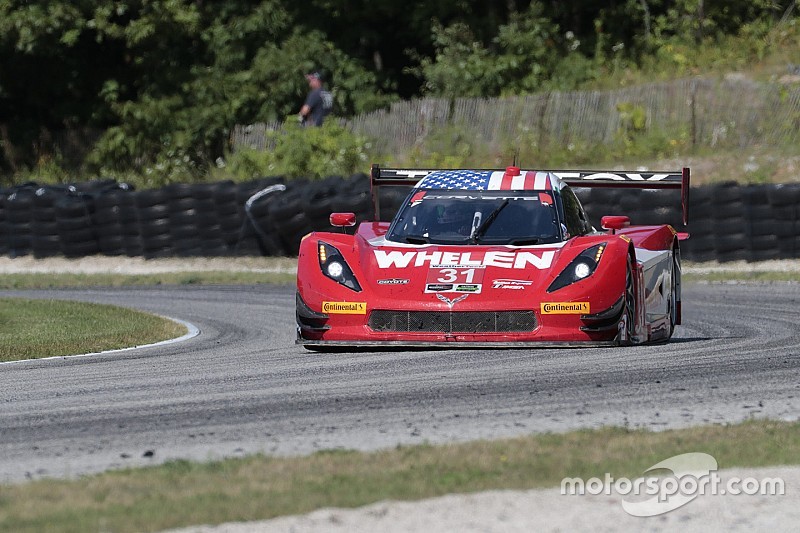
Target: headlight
<point>335,267</point>
<point>582,270</point>
<point>579,268</point>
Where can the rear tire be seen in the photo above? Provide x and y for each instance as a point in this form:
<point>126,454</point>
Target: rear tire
<point>630,305</point>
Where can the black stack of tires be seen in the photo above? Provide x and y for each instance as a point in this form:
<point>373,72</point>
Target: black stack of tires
<point>285,216</point>
<point>257,234</point>
<point>76,229</point>
<point>700,246</point>
<point>269,216</point>
<point>358,195</point>
<point>192,223</point>
<point>783,202</point>
<point>761,234</point>
<point>3,223</point>
<point>606,202</point>
<point>153,223</point>
<point>729,225</point>
<point>45,236</point>
<point>209,227</point>
<point>19,220</point>
<point>229,215</point>
<point>117,220</point>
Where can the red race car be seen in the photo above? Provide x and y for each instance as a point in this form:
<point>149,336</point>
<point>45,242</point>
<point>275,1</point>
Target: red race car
<point>492,258</point>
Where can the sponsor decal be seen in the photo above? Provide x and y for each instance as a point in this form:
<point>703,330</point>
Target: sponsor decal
<point>612,176</point>
<point>458,278</point>
<point>413,173</point>
<point>393,281</point>
<point>450,303</point>
<point>438,287</point>
<point>437,259</point>
<point>565,308</point>
<point>344,308</point>
<point>453,287</point>
<point>512,284</point>
<point>467,288</point>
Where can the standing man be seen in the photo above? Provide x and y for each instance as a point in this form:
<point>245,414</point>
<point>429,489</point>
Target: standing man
<point>319,102</point>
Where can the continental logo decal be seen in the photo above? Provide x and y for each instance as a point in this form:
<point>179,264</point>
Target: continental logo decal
<point>344,308</point>
<point>565,308</point>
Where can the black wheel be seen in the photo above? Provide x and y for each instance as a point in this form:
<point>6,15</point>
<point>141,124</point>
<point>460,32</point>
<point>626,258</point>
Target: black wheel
<point>630,305</point>
<point>673,293</point>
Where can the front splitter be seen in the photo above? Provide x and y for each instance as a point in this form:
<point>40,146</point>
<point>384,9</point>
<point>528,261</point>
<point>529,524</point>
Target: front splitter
<point>453,345</point>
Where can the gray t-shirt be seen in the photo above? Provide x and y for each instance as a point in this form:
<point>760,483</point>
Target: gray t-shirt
<point>321,103</point>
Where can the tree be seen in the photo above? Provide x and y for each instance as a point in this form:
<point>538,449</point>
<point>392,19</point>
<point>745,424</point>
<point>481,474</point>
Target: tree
<point>519,59</point>
<point>165,79</point>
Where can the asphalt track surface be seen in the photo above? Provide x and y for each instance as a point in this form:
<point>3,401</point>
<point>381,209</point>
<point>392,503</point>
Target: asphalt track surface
<point>242,386</point>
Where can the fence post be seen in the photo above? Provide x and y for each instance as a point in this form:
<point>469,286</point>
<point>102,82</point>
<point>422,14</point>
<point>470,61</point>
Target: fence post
<point>693,106</point>
<point>542,113</point>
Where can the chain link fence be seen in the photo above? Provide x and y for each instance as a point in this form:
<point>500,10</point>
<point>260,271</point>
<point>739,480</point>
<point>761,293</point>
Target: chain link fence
<point>730,113</point>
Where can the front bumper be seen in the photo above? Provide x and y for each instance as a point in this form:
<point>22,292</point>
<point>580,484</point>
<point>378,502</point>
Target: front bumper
<point>315,329</point>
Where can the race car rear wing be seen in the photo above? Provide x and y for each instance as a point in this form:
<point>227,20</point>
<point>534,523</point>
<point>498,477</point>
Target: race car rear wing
<point>635,180</point>
<point>575,178</point>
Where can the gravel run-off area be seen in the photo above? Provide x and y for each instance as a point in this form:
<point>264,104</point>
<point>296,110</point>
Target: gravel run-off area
<point>548,510</point>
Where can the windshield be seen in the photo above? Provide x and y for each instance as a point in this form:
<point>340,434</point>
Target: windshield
<point>476,217</point>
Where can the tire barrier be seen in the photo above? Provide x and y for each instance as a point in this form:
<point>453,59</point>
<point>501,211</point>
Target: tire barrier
<point>727,221</point>
<point>269,216</point>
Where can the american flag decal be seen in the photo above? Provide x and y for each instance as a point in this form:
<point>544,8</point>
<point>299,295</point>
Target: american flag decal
<point>486,180</point>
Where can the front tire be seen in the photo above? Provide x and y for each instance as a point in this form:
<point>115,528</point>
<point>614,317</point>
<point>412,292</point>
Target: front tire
<point>673,294</point>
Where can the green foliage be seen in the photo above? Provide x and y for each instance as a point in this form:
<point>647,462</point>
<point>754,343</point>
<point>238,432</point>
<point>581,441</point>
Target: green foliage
<point>166,80</point>
<point>529,51</point>
<point>462,65</point>
<point>696,20</point>
<point>632,118</point>
<point>522,56</point>
<point>447,147</point>
<point>178,134</point>
<point>307,152</point>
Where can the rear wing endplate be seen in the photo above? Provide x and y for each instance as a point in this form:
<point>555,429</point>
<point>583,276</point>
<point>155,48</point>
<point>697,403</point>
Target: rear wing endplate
<point>575,178</point>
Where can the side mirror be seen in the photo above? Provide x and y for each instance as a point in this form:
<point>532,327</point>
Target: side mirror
<point>615,223</point>
<point>343,220</point>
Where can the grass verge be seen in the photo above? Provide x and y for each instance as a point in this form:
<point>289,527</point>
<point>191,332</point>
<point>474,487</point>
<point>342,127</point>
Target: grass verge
<point>183,493</point>
<point>66,280</point>
<point>31,329</point>
<point>753,276</point>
